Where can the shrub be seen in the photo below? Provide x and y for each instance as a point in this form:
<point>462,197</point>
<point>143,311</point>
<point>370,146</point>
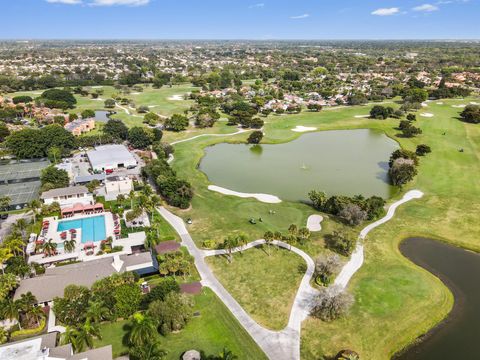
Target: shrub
<point>471,114</point>
<point>341,243</point>
<point>330,304</point>
<point>423,149</point>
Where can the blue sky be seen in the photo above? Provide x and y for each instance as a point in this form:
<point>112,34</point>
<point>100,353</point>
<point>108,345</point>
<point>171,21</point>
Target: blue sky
<point>239,19</point>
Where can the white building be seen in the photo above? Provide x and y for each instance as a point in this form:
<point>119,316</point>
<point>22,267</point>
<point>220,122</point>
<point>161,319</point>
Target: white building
<point>67,197</point>
<point>110,157</point>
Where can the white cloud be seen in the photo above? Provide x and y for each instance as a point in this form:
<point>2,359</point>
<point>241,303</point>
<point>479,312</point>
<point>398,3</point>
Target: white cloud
<point>426,8</point>
<point>68,2</point>
<point>304,16</point>
<point>119,2</point>
<point>386,11</point>
<point>259,5</point>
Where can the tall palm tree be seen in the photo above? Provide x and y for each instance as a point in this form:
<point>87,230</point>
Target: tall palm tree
<point>230,243</point>
<point>142,331</point>
<point>21,225</point>
<point>131,195</point>
<point>293,230</point>
<point>69,245</point>
<point>304,234</point>
<point>268,237</point>
<point>97,311</point>
<point>49,247</point>
<point>34,206</point>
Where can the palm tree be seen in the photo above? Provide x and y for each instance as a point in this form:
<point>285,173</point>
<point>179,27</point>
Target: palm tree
<point>97,311</point>
<point>49,247</point>
<point>5,254</point>
<point>21,225</point>
<point>69,245</point>
<point>15,245</point>
<point>268,237</point>
<point>150,351</point>
<point>131,195</point>
<point>230,243</point>
<point>69,337</point>
<point>142,331</point>
<point>304,234</point>
<point>293,230</point>
<point>34,206</point>
<point>242,240</point>
<point>227,355</point>
<point>36,313</point>
<point>10,309</point>
<point>85,335</point>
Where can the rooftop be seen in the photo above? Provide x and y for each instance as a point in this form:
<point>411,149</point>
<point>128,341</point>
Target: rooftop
<point>54,281</point>
<point>109,154</point>
<point>68,191</point>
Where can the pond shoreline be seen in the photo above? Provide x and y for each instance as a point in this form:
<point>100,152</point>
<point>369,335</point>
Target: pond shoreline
<point>424,346</point>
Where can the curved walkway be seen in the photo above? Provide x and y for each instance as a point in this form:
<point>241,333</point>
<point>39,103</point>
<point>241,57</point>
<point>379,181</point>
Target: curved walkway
<point>241,131</point>
<point>284,344</point>
<point>357,258</point>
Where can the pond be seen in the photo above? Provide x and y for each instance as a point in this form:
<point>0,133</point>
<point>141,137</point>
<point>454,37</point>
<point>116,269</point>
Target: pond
<point>102,115</point>
<point>457,337</point>
<point>344,162</point>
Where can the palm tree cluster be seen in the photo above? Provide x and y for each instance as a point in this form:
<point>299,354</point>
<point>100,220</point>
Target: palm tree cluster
<point>234,241</point>
<point>23,310</point>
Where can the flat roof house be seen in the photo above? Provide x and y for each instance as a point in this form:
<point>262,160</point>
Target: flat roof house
<point>69,196</point>
<point>110,157</point>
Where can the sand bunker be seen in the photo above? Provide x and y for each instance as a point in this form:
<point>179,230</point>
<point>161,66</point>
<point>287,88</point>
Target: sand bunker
<point>300,128</point>
<point>176,97</point>
<point>440,103</point>
<point>428,115</point>
<point>270,199</point>
<point>314,222</point>
<point>461,106</point>
<point>361,116</point>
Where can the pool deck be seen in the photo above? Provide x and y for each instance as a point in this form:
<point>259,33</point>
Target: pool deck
<point>133,239</point>
<point>53,234</point>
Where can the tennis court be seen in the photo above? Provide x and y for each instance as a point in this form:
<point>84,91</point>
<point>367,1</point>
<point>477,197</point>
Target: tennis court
<point>21,171</point>
<point>20,180</point>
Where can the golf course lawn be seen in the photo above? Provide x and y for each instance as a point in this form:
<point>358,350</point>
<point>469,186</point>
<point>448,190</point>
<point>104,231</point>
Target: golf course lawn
<point>214,329</point>
<point>263,280</point>
<point>396,300</point>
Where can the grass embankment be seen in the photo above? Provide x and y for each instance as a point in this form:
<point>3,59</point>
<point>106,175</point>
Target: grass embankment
<point>211,331</point>
<point>263,280</point>
<point>396,301</point>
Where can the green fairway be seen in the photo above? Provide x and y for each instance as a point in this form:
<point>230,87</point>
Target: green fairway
<point>263,280</point>
<point>396,301</point>
<point>212,330</point>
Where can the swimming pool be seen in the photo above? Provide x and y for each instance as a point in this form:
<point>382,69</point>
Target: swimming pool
<point>93,228</point>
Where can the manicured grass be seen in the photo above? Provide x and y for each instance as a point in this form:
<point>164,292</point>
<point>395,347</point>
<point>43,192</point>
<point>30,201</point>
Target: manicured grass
<point>263,280</point>
<point>396,301</point>
<point>211,331</point>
